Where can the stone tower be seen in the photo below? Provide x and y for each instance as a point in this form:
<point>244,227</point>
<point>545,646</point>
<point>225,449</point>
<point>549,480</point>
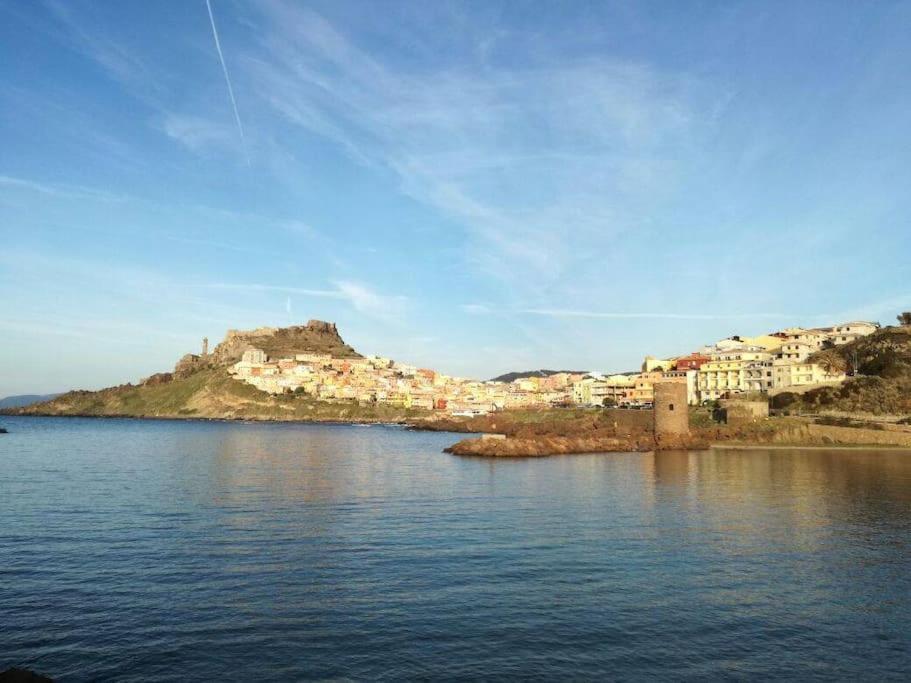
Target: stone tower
<point>205,347</point>
<point>670,409</point>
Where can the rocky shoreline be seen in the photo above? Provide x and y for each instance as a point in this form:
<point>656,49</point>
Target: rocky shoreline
<point>564,445</point>
<point>545,433</point>
<point>774,433</point>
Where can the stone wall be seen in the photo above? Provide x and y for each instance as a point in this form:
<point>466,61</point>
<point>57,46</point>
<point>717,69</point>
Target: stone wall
<point>739,412</point>
<point>671,412</point>
<point>630,421</point>
<point>850,435</point>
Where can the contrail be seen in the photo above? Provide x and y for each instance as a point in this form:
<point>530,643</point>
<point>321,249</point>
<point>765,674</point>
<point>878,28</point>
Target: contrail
<point>224,68</point>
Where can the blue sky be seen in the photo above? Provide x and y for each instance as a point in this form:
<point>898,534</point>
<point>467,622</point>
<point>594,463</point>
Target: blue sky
<point>476,187</point>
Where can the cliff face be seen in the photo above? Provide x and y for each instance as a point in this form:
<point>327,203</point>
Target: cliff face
<point>280,342</point>
<point>316,336</point>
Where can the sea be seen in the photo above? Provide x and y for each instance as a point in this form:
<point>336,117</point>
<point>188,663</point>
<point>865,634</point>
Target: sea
<point>166,550</point>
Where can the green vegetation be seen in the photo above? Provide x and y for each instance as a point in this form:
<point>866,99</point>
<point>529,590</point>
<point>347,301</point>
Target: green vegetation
<point>848,422</point>
<point>882,362</point>
<point>212,393</point>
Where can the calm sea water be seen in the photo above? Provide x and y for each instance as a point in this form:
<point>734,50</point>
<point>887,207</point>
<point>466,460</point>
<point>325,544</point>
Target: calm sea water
<point>156,550</point>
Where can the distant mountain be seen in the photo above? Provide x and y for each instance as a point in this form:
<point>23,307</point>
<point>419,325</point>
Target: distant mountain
<point>25,400</point>
<point>512,376</point>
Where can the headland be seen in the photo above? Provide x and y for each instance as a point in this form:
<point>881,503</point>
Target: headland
<point>738,391</point>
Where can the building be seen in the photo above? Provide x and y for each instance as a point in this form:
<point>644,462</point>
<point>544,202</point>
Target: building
<point>786,375</point>
<point>812,338</point>
<point>652,364</point>
<point>796,351</point>
<point>694,361</point>
<point>758,376</point>
<point>724,373</point>
<point>642,391</point>
<point>848,332</point>
<point>687,377</point>
<point>253,356</point>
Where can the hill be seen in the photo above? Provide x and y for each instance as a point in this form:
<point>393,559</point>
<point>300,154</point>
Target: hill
<point>208,393</point>
<point>200,386</point>
<point>512,376</point>
<point>278,342</point>
<point>24,400</point>
<point>885,353</point>
<point>882,382</point>
<point>282,342</point>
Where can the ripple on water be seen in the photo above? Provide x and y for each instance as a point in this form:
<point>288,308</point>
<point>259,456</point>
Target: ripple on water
<point>155,550</point>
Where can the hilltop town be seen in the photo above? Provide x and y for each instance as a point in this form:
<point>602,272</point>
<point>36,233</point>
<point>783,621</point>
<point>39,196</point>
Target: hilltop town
<point>769,363</point>
<point>855,370</point>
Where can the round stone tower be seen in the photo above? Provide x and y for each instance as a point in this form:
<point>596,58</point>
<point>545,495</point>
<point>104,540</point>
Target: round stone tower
<point>670,409</point>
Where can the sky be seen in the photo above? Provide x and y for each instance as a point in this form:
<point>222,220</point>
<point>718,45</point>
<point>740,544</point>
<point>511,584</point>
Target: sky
<point>475,187</point>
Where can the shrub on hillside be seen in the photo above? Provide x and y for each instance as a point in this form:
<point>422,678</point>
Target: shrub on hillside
<point>784,400</point>
<point>823,396</point>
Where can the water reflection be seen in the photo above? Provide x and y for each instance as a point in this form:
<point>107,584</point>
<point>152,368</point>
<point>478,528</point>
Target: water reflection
<point>340,552</point>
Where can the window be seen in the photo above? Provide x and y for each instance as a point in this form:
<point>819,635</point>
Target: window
<point>670,406</point>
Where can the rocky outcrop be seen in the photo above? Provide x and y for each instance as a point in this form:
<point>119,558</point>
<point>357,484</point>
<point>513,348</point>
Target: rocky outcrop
<point>316,336</point>
<point>190,364</point>
<point>157,378</point>
<point>564,445</point>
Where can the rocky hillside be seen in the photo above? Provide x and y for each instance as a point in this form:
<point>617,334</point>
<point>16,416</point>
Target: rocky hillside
<point>278,342</point>
<point>200,386</point>
<point>282,342</point>
<point>882,362</point>
<point>885,353</point>
<point>209,393</point>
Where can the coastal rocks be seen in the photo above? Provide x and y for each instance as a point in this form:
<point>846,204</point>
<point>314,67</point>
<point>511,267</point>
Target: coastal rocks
<point>538,446</point>
<point>548,445</point>
<point>3,431</point>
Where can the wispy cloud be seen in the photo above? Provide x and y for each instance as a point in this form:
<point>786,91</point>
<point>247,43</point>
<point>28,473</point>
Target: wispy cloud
<point>62,191</point>
<point>111,54</point>
<point>569,313</point>
<point>476,309</point>
<point>535,163</point>
<point>302,291</point>
<point>195,133</point>
<point>370,302</point>
<point>360,297</point>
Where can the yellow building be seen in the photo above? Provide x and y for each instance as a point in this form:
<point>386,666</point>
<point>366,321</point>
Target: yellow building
<point>652,364</point>
<point>724,373</point>
<point>785,375</point>
<point>767,342</point>
<point>848,332</point>
<point>812,338</point>
<point>758,375</point>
